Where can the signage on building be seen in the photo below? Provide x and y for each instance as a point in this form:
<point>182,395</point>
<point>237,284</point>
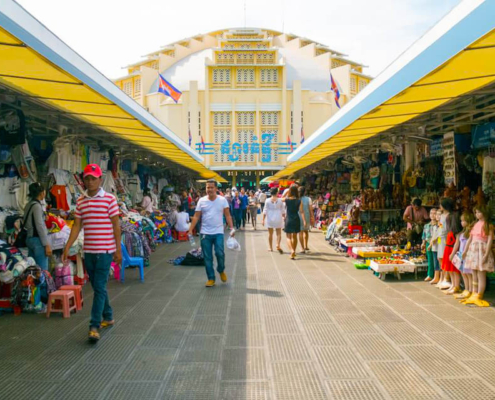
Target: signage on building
<point>234,150</point>
<point>448,146</point>
<point>483,135</point>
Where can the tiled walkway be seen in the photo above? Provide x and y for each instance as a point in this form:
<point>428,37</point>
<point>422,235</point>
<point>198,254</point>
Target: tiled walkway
<point>315,328</point>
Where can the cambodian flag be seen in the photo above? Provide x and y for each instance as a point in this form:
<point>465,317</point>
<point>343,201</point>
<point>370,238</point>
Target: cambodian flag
<point>289,142</point>
<point>168,89</point>
<point>203,147</point>
<point>302,135</point>
<point>190,137</point>
<point>335,90</point>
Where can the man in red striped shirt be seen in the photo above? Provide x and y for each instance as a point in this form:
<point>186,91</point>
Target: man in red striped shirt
<point>97,213</point>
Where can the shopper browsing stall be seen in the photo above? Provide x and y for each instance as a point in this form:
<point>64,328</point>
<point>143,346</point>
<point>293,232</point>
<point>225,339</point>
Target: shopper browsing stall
<point>416,217</point>
<point>34,222</point>
<point>97,214</point>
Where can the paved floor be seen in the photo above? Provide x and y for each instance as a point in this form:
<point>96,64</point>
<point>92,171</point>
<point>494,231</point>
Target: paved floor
<point>315,328</point>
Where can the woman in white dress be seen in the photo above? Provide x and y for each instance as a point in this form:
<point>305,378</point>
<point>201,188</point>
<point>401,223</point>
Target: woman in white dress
<point>274,215</point>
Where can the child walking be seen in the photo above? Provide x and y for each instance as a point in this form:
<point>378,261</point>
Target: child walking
<point>427,234</point>
<point>479,257</point>
<point>467,220</point>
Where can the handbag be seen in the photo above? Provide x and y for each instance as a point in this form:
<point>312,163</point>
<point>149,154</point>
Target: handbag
<point>457,260</point>
<point>21,238</point>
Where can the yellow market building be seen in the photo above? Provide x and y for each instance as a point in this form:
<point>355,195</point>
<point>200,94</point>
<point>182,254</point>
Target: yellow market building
<point>250,96</point>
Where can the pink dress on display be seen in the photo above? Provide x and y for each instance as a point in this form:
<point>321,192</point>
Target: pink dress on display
<point>477,250</point>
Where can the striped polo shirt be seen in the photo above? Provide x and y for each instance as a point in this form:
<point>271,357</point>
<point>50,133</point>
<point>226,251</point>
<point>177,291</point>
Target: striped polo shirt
<point>95,213</point>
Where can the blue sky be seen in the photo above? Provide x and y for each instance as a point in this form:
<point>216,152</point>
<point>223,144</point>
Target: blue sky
<point>111,34</point>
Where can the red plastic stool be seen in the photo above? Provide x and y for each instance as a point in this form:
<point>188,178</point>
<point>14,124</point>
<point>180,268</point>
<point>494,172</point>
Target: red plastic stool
<point>182,236</point>
<point>64,297</point>
<point>77,289</point>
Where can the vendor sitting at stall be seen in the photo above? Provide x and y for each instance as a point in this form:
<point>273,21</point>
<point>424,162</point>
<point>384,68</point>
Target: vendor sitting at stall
<point>182,220</point>
<point>416,217</point>
<point>147,203</point>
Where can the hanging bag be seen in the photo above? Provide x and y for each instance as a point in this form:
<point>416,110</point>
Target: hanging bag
<point>20,240</point>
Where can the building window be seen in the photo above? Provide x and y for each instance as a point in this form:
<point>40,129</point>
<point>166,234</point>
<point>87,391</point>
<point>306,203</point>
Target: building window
<point>269,118</point>
<point>229,47</point>
<point>127,88</point>
<point>245,58</point>
<point>137,86</point>
<point>245,46</point>
<point>362,84</point>
<point>261,46</point>
<point>223,118</point>
<point>269,77</point>
<point>220,136</point>
<point>245,76</point>
<point>154,65</point>
<point>225,58</point>
<point>246,136</point>
<point>265,58</point>
<point>221,77</point>
<point>245,118</point>
<point>353,84</point>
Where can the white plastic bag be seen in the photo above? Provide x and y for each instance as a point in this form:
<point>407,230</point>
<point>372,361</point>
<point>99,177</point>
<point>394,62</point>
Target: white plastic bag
<point>233,244</point>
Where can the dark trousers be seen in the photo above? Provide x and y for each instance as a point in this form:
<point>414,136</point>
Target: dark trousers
<point>237,217</point>
<point>244,217</point>
<point>98,267</point>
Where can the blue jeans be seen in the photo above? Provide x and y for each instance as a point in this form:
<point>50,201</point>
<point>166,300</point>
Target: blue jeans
<point>237,217</point>
<point>37,251</point>
<point>98,268</point>
<point>207,243</point>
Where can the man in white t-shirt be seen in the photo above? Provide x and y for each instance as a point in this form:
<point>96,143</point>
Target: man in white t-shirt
<point>211,209</point>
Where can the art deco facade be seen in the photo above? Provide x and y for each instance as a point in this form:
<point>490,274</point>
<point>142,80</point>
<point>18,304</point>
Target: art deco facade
<point>251,95</point>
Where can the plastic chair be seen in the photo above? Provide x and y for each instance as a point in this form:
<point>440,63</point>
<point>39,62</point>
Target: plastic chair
<point>182,236</point>
<point>77,289</point>
<point>64,297</point>
<point>128,261</point>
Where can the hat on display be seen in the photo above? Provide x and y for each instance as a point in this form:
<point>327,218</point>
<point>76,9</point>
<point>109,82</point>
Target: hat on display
<point>93,170</point>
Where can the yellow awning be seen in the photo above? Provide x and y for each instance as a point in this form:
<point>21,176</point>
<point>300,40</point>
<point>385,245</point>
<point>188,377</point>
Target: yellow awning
<point>470,68</point>
<point>24,69</point>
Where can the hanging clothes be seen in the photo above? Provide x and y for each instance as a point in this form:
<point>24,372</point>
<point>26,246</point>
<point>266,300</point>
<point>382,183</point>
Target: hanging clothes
<point>60,195</point>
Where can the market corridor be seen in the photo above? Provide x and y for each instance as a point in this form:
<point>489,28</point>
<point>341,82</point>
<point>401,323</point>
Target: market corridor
<point>315,328</point>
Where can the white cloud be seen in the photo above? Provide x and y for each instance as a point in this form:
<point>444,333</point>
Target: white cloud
<point>113,33</point>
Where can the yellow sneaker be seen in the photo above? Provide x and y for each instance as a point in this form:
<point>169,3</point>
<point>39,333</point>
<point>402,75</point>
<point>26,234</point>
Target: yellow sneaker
<point>223,276</point>
<point>210,283</point>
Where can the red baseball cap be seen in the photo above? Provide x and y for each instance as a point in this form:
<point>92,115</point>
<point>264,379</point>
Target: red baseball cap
<point>93,170</point>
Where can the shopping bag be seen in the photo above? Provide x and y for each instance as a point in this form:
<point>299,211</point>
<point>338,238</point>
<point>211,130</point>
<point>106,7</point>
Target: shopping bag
<point>233,244</point>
